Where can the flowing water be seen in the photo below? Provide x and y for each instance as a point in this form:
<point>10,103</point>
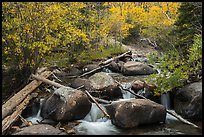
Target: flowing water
<point>96,124</point>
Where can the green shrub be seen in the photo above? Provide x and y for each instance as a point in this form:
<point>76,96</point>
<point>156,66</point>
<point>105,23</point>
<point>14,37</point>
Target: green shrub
<point>174,71</point>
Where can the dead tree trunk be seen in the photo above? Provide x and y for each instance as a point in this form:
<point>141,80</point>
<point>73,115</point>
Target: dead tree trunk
<point>9,120</point>
<point>10,105</point>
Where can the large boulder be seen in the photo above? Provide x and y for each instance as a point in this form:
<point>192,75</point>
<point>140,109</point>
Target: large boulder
<point>104,86</point>
<point>40,129</point>
<point>66,104</point>
<point>134,112</point>
<point>132,68</point>
<point>188,101</point>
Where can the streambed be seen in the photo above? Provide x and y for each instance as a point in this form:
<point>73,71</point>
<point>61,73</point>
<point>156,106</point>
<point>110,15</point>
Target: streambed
<point>96,124</point>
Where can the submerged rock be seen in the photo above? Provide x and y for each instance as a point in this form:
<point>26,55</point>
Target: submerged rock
<point>132,68</point>
<point>134,112</point>
<point>103,85</point>
<point>66,104</point>
<point>188,101</point>
<point>40,129</point>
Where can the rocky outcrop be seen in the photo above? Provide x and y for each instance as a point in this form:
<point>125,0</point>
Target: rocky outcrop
<point>66,104</point>
<point>134,112</point>
<point>188,101</point>
<point>40,129</point>
<point>132,68</point>
<point>104,86</point>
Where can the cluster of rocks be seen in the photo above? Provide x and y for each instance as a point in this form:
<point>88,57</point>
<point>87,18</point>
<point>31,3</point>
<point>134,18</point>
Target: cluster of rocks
<point>68,104</point>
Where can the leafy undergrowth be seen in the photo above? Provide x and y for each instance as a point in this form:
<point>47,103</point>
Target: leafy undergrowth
<point>63,59</point>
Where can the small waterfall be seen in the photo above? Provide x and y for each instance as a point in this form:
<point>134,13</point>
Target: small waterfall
<point>126,94</point>
<point>165,100</point>
<point>36,117</point>
<point>95,114</point>
<point>95,123</point>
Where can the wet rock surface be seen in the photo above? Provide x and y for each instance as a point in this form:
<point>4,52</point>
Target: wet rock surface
<point>66,104</point>
<point>134,112</point>
<point>40,129</point>
<point>188,101</point>
<point>131,68</point>
<point>104,86</point>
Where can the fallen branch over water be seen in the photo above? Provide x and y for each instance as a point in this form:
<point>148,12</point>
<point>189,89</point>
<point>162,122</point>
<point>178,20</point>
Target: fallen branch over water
<point>59,85</point>
<point>181,119</point>
<point>174,114</point>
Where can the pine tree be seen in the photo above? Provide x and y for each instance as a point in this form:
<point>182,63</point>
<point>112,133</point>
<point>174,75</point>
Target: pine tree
<point>188,24</point>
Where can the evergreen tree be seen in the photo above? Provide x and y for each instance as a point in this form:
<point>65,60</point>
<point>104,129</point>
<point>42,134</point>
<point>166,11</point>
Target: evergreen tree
<point>188,24</point>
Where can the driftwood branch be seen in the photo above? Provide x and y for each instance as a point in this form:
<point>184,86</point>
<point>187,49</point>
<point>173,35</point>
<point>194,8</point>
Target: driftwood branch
<point>181,119</point>
<point>174,114</point>
<point>10,105</point>
<point>59,85</point>
<point>25,122</point>
<point>47,81</point>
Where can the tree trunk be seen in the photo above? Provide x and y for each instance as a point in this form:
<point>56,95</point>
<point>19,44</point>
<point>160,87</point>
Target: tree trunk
<point>10,105</point>
<point>9,120</point>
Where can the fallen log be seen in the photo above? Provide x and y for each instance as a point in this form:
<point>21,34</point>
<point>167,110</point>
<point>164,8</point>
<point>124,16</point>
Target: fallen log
<point>115,58</point>
<point>59,85</point>
<point>9,106</point>
<point>174,114</point>
<point>102,65</point>
<point>47,81</point>
<point>9,120</point>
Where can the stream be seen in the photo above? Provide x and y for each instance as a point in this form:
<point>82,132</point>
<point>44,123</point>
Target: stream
<point>96,124</point>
